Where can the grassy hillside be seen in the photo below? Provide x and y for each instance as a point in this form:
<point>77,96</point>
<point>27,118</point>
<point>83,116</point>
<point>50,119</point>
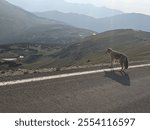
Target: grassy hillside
<point>89,51</point>
<point>35,55</point>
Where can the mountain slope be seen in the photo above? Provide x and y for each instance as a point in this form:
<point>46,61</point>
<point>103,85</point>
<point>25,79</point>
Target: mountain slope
<point>64,6</point>
<point>18,25</point>
<point>91,50</point>
<point>123,21</point>
<point>73,19</point>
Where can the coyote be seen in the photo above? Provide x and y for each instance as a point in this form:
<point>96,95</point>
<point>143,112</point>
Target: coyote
<point>115,55</point>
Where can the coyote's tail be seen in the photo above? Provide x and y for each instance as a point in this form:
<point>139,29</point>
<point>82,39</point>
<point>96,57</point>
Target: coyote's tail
<point>126,63</point>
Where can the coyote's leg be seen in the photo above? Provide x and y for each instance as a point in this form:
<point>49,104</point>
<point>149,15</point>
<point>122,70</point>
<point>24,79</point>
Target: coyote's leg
<point>121,63</point>
<point>111,62</point>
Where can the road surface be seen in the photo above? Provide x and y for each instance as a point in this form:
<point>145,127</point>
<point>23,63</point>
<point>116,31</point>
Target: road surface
<point>105,91</point>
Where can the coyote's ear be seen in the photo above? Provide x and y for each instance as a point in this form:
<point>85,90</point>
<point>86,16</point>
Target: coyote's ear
<point>109,49</point>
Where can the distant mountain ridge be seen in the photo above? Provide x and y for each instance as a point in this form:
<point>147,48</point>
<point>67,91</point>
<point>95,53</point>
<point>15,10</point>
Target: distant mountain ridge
<point>125,21</point>
<point>122,21</point>
<point>18,25</point>
<point>67,7</point>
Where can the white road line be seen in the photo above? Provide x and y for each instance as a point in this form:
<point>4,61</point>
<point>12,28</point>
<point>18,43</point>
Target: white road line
<point>65,75</point>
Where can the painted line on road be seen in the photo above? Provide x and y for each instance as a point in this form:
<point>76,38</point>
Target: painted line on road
<point>65,75</point>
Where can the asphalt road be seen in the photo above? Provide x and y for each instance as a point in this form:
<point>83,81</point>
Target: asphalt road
<point>110,91</point>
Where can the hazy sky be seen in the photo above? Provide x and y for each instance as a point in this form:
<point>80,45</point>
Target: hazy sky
<point>140,6</point>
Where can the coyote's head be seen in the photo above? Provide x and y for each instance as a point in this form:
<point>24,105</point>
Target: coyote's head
<point>108,50</point>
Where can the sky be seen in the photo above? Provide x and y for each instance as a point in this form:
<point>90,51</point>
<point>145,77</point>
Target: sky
<point>130,6</point>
